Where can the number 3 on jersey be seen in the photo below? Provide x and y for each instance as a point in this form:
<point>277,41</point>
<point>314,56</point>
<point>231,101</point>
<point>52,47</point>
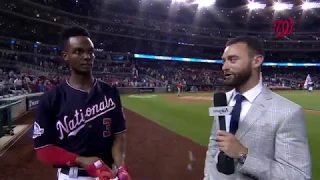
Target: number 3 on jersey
<point>107,124</point>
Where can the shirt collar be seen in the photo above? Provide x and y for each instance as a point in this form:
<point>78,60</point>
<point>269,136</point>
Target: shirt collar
<point>251,94</point>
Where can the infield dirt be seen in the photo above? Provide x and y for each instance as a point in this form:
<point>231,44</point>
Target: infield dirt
<point>153,153</point>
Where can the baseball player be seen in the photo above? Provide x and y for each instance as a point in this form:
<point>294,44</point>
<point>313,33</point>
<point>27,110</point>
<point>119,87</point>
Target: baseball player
<point>80,126</point>
<point>179,87</point>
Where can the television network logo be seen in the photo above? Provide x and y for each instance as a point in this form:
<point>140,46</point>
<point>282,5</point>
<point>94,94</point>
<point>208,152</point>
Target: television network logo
<point>283,27</point>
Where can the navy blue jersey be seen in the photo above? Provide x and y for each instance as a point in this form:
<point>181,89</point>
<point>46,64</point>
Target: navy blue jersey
<point>80,122</point>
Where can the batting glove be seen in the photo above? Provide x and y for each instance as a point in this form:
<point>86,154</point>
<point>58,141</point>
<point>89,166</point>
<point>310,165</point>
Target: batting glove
<point>100,170</point>
<point>123,173</point>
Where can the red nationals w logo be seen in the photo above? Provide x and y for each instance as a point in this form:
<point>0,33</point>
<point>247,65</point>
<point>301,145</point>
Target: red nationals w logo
<point>286,27</point>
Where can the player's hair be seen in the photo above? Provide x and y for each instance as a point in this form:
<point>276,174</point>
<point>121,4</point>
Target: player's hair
<point>72,32</point>
<point>254,44</point>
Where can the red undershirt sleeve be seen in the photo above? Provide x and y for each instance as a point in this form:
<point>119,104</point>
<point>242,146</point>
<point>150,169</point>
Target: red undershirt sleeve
<point>53,155</point>
<point>44,136</point>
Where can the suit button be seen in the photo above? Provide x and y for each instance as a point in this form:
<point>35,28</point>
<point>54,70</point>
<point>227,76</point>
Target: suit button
<point>90,126</point>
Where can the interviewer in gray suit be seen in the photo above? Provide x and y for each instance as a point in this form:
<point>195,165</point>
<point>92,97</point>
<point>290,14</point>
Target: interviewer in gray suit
<point>268,141</point>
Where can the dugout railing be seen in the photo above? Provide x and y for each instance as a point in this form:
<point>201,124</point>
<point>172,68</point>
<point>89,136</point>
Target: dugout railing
<point>6,120</point>
<point>13,107</point>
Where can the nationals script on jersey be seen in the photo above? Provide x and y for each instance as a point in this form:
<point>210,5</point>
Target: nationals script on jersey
<point>72,125</point>
<point>80,122</point>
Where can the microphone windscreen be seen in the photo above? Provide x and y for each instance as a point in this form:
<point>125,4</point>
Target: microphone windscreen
<point>220,99</point>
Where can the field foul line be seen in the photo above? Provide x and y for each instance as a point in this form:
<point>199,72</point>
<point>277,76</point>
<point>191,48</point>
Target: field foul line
<point>17,139</point>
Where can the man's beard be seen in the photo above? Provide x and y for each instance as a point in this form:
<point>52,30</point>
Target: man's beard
<point>239,79</point>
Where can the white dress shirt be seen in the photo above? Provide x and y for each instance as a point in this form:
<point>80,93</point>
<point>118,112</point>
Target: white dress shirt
<point>250,96</point>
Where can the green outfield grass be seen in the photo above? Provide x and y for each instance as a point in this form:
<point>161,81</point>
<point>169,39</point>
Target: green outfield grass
<point>191,119</point>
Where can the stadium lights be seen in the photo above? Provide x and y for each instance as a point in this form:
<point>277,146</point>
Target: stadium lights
<point>256,5</point>
<point>310,5</point>
<point>205,3</point>
<point>281,6</point>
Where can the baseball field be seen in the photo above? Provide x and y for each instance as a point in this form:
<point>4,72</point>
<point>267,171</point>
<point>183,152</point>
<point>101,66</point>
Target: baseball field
<point>167,137</point>
<point>188,117</point>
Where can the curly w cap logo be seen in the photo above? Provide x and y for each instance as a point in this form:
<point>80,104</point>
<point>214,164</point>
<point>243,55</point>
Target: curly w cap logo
<point>283,27</point>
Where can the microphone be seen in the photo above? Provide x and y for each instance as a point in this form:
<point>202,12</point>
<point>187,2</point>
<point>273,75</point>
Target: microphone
<point>225,164</point>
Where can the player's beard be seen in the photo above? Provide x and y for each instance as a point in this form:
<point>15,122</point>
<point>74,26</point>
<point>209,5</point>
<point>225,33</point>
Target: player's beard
<point>239,79</point>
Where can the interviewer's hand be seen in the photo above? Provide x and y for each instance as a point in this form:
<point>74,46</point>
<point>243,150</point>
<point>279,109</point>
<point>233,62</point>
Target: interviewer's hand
<point>229,144</point>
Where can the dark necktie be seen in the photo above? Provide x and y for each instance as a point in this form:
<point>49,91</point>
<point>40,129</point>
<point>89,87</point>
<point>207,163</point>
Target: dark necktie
<point>235,114</point>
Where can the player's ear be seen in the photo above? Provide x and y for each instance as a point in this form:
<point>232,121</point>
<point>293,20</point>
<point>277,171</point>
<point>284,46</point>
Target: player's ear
<point>65,58</point>
<point>65,55</point>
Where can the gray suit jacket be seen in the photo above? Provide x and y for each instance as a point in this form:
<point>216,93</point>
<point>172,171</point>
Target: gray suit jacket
<point>275,134</point>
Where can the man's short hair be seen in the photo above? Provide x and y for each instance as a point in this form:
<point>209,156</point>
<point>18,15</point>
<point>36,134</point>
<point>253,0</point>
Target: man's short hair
<point>254,44</point>
<point>72,32</point>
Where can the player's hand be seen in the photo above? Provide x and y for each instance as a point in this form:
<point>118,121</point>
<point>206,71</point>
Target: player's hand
<point>105,175</point>
<point>97,168</point>
<point>85,162</point>
<point>229,144</point>
<point>123,173</point>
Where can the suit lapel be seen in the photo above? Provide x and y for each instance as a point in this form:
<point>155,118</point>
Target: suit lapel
<point>258,106</point>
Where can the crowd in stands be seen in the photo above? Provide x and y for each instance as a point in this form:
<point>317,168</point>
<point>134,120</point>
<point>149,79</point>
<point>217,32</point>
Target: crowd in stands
<point>31,59</point>
<point>118,33</point>
<point>135,73</point>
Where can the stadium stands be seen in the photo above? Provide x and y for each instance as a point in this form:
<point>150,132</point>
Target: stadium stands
<point>29,46</point>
